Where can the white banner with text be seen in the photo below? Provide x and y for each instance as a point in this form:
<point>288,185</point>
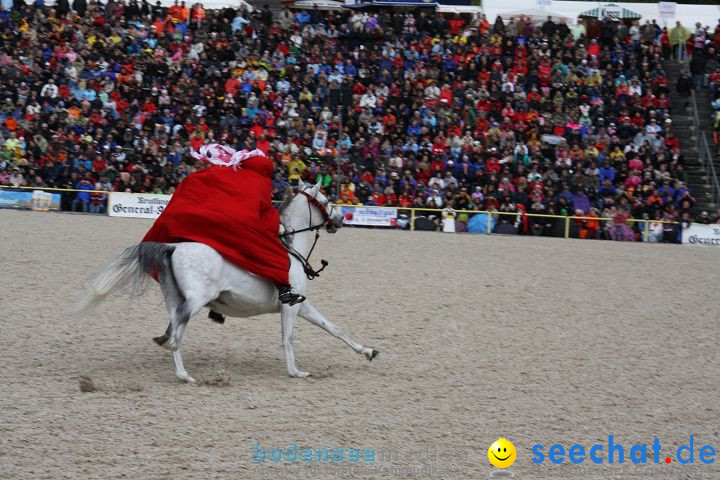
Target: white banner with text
<point>699,234</point>
<point>137,205</point>
<point>377,217</point>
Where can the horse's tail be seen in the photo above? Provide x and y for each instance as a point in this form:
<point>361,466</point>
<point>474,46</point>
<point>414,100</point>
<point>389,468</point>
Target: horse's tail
<point>131,269</point>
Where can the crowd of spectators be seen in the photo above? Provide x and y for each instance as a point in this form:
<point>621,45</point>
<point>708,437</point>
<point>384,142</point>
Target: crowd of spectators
<point>705,68</point>
<point>404,109</point>
<point>700,48</point>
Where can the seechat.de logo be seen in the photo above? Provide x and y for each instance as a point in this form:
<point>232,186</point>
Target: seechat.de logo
<point>614,452</point>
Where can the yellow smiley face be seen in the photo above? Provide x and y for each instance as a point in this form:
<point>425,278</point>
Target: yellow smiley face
<point>501,453</point>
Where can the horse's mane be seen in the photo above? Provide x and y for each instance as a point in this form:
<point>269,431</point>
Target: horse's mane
<point>286,201</point>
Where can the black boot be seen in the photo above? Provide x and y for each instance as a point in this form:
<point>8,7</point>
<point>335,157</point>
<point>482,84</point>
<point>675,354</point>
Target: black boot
<point>286,295</point>
<point>216,317</point>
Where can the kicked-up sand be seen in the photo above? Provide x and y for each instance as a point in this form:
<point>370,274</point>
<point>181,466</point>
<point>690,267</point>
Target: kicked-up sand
<point>541,341</point>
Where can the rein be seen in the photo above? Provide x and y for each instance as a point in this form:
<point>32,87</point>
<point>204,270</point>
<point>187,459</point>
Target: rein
<point>310,272</point>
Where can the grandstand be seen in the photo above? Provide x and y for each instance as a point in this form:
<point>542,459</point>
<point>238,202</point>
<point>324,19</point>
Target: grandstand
<point>385,107</point>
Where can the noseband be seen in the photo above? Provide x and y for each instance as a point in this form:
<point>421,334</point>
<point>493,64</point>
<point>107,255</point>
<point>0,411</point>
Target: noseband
<point>305,261</point>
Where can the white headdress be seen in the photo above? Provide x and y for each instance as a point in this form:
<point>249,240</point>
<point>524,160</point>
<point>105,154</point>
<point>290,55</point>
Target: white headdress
<point>225,156</point>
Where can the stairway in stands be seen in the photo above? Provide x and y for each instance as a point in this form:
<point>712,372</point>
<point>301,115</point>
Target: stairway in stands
<point>682,125</point>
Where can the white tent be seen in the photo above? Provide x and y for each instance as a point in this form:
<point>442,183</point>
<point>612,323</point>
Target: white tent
<point>686,13</point>
<point>537,15</point>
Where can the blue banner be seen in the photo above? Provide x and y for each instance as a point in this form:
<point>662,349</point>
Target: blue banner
<point>34,200</point>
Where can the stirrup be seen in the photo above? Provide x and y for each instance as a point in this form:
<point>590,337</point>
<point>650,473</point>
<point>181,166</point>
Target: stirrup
<point>291,298</point>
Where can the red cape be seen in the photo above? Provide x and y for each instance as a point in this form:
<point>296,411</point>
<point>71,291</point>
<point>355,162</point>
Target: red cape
<point>231,211</point>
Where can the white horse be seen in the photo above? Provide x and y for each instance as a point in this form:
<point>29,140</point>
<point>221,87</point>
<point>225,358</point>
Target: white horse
<point>193,276</point>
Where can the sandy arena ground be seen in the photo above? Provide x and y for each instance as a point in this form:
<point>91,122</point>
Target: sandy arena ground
<point>536,340</point>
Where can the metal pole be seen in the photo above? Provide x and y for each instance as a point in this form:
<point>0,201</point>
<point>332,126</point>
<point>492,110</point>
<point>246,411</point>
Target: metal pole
<point>567,227</point>
<point>412,220</point>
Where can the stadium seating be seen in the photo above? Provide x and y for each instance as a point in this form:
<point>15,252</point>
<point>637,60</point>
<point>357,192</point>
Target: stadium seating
<point>424,110</point>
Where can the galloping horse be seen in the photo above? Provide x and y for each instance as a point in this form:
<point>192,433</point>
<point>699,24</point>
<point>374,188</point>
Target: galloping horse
<point>193,276</point>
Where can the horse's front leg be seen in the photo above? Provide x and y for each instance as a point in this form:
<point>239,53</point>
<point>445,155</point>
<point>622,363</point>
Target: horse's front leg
<point>288,315</point>
<point>310,313</point>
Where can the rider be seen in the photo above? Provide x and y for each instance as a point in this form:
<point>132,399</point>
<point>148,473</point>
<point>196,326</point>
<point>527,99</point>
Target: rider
<point>228,207</point>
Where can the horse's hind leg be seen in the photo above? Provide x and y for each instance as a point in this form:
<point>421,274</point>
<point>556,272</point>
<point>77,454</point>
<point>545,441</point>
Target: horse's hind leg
<point>310,313</point>
<point>173,300</point>
<point>180,371</point>
<point>180,311</point>
<point>173,337</point>
<point>165,336</point>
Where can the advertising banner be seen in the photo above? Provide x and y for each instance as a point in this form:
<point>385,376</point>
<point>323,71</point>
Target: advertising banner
<point>612,11</point>
<point>136,205</point>
<point>667,9</point>
<point>377,217</point>
<point>699,234</point>
<point>35,200</point>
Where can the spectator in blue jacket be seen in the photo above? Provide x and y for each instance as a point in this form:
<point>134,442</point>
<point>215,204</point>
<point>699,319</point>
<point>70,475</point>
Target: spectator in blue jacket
<point>82,198</point>
<point>607,189</point>
<point>667,193</point>
<point>302,17</point>
<point>607,171</point>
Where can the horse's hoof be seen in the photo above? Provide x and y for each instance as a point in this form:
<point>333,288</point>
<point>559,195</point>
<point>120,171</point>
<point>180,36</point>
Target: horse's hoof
<point>216,317</point>
<point>371,354</point>
<point>187,379</point>
<point>161,340</point>
<point>299,374</point>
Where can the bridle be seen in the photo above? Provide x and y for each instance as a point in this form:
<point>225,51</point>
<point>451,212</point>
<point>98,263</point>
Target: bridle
<point>312,201</point>
<point>305,261</point>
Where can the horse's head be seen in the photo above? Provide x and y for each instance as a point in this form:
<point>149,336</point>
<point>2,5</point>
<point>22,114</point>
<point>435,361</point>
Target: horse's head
<point>318,203</point>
